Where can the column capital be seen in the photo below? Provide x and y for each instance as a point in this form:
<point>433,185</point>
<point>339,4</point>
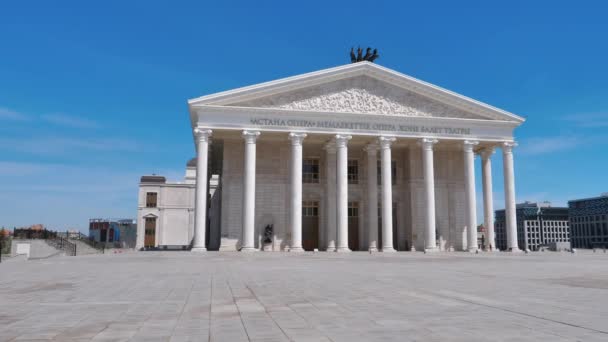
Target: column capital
<point>342,139</point>
<point>330,147</point>
<point>297,138</point>
<point>202,134</point>
<point>385,141</point>
<point>250,136</point>
<point>469,145</point>
<point>427,143</point>
<point>487,152</point>
<point>507,146</point>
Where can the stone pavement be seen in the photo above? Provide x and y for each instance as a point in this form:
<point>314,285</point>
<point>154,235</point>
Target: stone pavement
<point>181,296</point>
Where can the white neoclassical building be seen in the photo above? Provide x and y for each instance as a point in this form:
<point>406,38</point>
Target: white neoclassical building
<point>356,157</point>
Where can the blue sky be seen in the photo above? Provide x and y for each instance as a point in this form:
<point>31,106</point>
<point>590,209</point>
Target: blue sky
<point>93,95</point>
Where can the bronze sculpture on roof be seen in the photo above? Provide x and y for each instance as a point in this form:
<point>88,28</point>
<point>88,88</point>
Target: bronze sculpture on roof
<point>359,57</point>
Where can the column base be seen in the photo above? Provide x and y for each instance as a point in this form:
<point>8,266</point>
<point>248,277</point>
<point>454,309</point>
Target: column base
<point>198,249</point>
<point>296,249</point>
<point>412,249</point>
<point>431,250</point>
<point>249,249</point>
<point>514,250</point>
<point>229,245</point>
<point>343,250</point>
<point>494,250</point>
<point>388,250</point>
<point>473,250</point>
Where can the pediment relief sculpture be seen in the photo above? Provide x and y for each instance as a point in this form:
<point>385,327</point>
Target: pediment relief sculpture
<point>362,95</point>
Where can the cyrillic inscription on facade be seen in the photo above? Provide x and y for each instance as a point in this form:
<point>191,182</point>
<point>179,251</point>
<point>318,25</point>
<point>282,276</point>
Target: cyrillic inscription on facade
<point>358,126</point>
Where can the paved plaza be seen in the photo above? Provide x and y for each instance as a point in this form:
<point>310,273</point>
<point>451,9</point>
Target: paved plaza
<point>181,296</point>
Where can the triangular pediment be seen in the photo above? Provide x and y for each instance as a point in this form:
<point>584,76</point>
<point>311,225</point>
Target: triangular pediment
<point>360,88</point>
<point>359,95</point>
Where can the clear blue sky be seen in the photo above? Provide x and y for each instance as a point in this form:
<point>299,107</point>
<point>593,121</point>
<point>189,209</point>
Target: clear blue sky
<point>93,94</point>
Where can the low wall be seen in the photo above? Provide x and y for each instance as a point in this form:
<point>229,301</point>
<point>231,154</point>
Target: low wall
<point>38,248</point>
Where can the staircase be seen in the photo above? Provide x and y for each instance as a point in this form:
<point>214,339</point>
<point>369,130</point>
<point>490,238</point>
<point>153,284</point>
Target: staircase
<point>84,245</point>
<point>83,248</point>
<point>63,245</point>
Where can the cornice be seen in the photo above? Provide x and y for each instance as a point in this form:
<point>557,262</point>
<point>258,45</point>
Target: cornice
<point>280,85</point>
<point>282,111</point>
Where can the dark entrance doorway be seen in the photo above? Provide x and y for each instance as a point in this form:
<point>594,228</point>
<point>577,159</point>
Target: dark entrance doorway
<point>150,232</point>
<point>310,225</point>
<point>353,226</point>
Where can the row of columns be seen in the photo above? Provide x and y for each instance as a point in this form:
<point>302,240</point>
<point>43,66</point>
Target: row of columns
<point>337,192</point>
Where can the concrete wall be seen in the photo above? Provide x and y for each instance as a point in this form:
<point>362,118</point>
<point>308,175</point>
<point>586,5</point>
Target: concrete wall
<point>38,248</point>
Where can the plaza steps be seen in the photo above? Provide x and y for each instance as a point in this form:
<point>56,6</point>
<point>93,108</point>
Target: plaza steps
<point>83,248</point>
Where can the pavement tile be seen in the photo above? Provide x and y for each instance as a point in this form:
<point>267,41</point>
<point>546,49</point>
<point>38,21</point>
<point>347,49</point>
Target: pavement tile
<point>164,296</point>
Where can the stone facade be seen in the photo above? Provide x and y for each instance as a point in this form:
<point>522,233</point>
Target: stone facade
<point>272,193</point>
<point>255,143</point>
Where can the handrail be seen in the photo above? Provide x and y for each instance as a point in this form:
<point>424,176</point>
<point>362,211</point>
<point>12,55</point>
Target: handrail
<point>89,241</point>
<point>63,244</point>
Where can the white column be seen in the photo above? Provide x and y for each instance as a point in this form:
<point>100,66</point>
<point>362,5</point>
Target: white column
<point>430,244</point>
<point>387,194</point>
<point>248,244</point>
<point>342,192</point>
<point>296,191</point>
<point>372,195</point>
<point>469,188</point>
<point>200,208</point>
<point>488,198</point>
<point>330,167</point>
<point>511,219</point>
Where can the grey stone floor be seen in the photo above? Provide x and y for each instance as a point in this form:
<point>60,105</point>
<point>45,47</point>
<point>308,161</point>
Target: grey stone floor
<point>179,296</point>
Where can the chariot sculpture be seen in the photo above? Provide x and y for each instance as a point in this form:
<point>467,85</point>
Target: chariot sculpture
<point>359,57</point>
